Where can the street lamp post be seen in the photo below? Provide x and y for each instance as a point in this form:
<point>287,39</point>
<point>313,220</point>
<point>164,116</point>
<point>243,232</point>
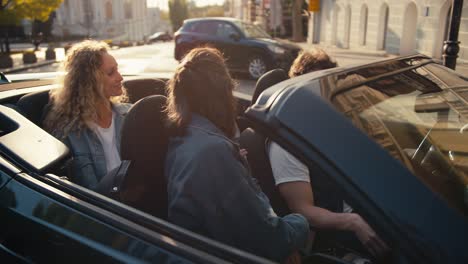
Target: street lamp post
<point>451,46</point>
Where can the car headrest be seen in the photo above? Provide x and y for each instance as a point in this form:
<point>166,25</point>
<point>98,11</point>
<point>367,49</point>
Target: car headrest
<point>140,88</point>
<point>144,142</point>
<point>32,106</point>
<point>267,80</point>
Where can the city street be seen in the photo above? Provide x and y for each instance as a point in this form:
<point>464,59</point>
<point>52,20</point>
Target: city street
<point>156,60</point>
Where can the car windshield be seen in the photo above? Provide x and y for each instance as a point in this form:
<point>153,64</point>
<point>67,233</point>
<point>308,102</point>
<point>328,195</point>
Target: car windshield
<point>420,120</point>
<point>252,31</point>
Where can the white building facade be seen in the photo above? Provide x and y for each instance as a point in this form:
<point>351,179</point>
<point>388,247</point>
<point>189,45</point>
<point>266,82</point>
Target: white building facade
<point>104,19</point>
<point>395,26</point>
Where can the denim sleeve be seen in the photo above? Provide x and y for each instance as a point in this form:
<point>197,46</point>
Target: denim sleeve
<point>82,168</point>
<point>249,218</point>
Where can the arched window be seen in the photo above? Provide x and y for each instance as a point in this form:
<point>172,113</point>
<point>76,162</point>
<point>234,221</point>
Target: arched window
<point>128,9</point>
<point>347,26</point>
<point>409,25</point>
<point>109,14</point>
<point>363,25</point>
<point>383,26</point>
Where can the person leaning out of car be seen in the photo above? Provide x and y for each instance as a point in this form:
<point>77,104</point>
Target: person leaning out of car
<point>210,187</point>
<point>293,180</point>
<point>86,112</point>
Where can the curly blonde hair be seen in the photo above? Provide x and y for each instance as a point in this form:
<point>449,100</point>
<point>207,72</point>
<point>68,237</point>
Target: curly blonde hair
<point>74,104</point>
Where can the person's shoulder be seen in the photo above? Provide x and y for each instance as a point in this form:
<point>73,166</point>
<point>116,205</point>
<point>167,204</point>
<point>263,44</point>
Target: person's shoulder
<point>210,143</point>
<point>278,154</point>
<point>275,150</point>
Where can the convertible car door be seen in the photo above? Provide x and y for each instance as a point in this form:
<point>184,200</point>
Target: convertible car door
<point>40,224</point>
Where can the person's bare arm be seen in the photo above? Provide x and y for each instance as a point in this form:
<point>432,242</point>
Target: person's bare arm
<point>299,197</point>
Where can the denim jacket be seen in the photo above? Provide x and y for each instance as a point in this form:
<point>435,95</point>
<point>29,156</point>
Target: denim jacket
<point>211,192</point>
<point>89,163</point>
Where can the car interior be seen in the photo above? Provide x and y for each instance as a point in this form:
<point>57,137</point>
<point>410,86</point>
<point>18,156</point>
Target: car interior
<point>140,181</point>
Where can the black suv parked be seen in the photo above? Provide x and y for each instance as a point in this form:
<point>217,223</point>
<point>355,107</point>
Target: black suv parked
<point>247,47</point>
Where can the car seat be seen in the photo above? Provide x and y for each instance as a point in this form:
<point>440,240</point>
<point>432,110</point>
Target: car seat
<point>140,88</point>
<point>33,106</point>
<point>265,81</point>
<point>144,143</point>
<point>260,166</point>
<point>255,144</point>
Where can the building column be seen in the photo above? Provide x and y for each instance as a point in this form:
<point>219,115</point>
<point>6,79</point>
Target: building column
<point>310,28</point>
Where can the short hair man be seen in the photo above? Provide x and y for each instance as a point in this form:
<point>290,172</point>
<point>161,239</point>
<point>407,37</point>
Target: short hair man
<point>293,181</point>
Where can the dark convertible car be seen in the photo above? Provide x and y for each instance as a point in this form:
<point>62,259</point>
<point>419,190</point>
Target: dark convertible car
<point>391,135</point>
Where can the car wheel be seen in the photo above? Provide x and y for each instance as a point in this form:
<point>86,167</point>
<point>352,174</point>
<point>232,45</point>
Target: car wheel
<point>256,67</point>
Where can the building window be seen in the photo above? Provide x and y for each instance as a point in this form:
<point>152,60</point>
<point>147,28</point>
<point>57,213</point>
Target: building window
<point>363,25</point>
<point>109,14</point>
<point>128,9</point>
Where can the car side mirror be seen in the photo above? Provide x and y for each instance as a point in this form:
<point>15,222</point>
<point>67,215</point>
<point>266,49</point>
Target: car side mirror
<point>234,36</point>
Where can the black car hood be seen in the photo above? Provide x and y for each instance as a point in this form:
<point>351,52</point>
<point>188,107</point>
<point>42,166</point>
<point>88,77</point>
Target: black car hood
<point>278,42</point>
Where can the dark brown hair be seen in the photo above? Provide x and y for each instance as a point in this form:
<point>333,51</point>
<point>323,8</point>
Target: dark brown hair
<point>202,85</point>
<point>309,61</point>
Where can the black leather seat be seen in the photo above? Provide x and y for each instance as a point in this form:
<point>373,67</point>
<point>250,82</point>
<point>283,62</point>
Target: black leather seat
<point>140,88</point>
<point>33,106</point>
<point>259,162</point>
<point>267,80</point>
<point>144,143</point>
<point>255,144</point>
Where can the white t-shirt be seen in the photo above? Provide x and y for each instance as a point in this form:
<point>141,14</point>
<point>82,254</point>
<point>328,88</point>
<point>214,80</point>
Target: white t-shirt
<point>108,142</point>
<point>286,168</point>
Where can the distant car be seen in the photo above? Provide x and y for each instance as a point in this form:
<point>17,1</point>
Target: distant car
<point>247,47</point>
<point>159,36</point>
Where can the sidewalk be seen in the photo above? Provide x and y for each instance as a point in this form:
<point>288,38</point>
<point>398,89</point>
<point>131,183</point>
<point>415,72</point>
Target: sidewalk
<point>341,51</point>
<point>17,57</point>
<point>461,67</point>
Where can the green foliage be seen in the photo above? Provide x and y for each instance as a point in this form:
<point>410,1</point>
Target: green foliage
<point>178,12</point>
<point>207,11</point>
<point>164,15</point>
<point>13,11</point>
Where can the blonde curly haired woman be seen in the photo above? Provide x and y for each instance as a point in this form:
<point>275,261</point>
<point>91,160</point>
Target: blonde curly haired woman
<point>86,112</point>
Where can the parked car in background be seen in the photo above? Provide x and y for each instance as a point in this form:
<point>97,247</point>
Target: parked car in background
<point>159,36</point>
<point>246,47</point>
<point>390,135</point>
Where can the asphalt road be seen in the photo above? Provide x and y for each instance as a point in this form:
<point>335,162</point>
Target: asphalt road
<point>157,60</point>
<point>153,60</point>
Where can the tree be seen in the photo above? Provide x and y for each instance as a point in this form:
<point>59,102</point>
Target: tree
<point>177,13</point>
<point>297,34</point>
<point>13,11</point>
<point>206,11</point>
